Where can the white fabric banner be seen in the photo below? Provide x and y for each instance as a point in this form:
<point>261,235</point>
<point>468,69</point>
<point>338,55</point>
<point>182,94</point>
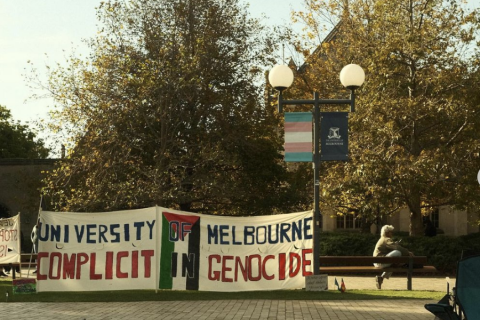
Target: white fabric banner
<point>158,248</point>
<point>97,251</point>
<point>217,253</point>
<point>10,240</point>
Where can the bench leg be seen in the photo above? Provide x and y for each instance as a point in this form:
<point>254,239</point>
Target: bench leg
<point>409,275</point>
<point>12,270</point>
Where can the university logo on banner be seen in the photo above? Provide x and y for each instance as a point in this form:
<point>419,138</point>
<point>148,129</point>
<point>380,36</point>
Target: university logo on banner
<point>10,240</point>
<point>298,137</point>
<point>334,136</point>
<point>180,252</point>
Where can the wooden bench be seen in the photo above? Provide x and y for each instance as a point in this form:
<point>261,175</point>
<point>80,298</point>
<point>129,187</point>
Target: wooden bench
<point>364,264</point>
<point>24,262</point>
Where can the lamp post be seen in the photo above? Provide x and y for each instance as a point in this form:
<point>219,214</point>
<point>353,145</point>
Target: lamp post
<point>352,77</point>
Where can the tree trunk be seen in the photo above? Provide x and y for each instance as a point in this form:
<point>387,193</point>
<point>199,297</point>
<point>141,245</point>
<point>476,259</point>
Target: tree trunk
<point>416,219</point>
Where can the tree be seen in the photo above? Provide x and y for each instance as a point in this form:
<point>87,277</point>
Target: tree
<point>17,140</point>
<point>167,111</point>
<point>412,140</point>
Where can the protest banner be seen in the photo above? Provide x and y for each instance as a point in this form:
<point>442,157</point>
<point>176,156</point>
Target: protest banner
<point>218,253</point>
<point>10,240</point>
<point>158,248</point>
<point>97,251</point>
<point>24,286</point>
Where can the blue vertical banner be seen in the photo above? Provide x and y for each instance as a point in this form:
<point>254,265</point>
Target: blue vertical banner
<point>334,136</point>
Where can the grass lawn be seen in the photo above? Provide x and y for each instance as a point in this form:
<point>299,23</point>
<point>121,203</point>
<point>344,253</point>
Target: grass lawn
<point>164,295</point>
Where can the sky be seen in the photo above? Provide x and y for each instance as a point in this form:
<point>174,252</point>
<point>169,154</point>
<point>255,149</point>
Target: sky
<point>44,32</point>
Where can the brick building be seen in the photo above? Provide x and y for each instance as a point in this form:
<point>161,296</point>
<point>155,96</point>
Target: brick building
<point>20,182</point>
<point>450,222</point>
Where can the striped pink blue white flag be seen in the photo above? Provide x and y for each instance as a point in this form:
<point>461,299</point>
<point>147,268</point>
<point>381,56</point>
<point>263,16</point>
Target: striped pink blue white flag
<point>298,137</point>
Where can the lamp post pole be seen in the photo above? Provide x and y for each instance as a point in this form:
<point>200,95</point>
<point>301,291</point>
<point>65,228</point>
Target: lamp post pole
<point>316,189</point>
<point>281,77</point>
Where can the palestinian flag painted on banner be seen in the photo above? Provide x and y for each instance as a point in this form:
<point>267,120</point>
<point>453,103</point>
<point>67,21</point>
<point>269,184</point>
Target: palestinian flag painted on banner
<point>298,137</point>
<point>180,252</point>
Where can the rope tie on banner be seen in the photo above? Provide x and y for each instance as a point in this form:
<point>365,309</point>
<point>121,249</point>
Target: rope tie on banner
<point>33,245</point>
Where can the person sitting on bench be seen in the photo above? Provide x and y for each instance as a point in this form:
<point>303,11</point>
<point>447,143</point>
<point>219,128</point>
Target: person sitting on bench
<point>386,247</point>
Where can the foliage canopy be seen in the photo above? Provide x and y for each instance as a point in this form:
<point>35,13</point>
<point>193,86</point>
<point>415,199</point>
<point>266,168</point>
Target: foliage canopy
<point>167,111</point>
<point>413,140</point>
<point>18,140</point>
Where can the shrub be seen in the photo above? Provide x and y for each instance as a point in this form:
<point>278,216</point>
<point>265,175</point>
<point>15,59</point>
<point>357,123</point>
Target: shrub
<point>442,251</point>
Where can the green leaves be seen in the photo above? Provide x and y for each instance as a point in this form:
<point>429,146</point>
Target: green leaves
<point>414,117</point>
<point>17,140</point>
<point>167,111</point>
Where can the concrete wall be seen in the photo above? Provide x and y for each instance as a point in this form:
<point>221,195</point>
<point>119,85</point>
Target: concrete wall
<point>329,220</point>
<point>453,223</point>
<point>401,220</point>
<point>472,226</point>
<point>456,222</point>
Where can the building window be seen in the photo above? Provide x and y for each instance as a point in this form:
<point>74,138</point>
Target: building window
<point>349,221</point>
<point>358,222</point>
<point>434,217</point>
<point>340,222</point>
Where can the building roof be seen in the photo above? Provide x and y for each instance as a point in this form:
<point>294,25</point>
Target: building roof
<point>318,51</point>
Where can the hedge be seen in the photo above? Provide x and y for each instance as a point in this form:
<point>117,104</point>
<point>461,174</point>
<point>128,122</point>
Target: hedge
<point>442,251</point>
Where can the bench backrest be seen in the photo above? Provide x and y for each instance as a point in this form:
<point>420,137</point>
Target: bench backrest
<point>369,260</point>
<point>25,257</point>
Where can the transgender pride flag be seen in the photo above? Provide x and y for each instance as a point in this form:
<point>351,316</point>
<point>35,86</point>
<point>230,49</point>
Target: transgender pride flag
<point>298,137</point>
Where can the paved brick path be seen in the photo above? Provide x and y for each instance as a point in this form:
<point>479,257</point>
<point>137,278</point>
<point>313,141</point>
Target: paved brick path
<point>244,309</point>
<point>238,309</point>
<point>394,283</point>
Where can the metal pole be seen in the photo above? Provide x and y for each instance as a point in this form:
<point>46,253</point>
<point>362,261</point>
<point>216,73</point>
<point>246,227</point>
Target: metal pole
<point>316,178</point>
<point>352,101</point>
<point>280,100</point>
<point>316,160</point>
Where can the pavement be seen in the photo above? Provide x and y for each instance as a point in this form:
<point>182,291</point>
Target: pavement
<point>401,309</point>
